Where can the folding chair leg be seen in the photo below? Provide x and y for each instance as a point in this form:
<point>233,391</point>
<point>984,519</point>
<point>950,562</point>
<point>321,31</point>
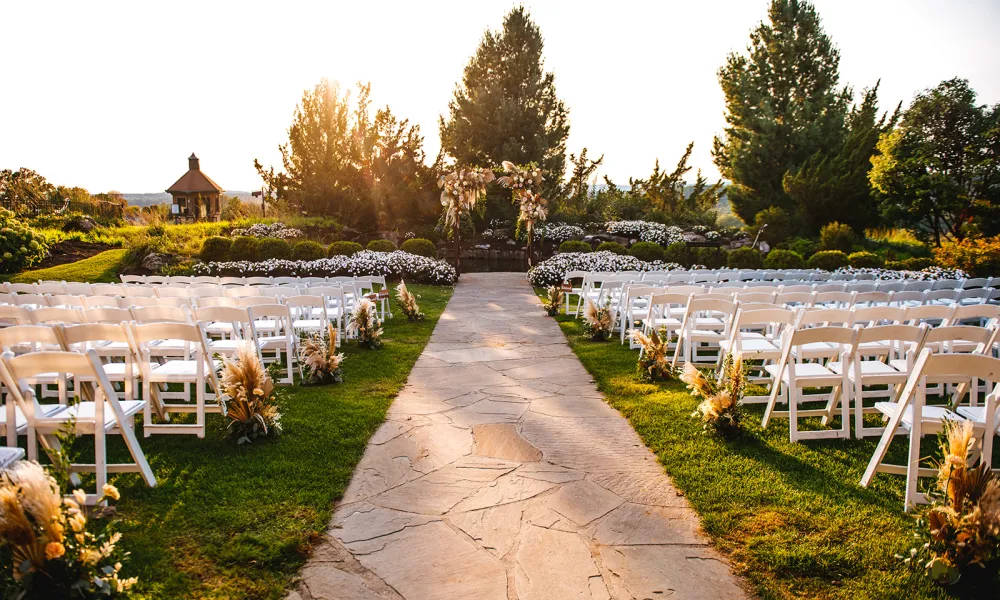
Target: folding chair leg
<point>913,456</point>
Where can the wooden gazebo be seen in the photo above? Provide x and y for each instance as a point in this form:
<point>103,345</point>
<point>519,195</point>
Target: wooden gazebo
<point>195,197</point>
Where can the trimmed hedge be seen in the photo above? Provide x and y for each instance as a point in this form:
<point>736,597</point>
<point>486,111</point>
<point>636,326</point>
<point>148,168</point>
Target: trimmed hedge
<point>344,249</point>
<point>381,246</point>
<point>308,250</point>
<point>273,248</point>
<point>713,258</point>
<point>837,236</point>
<point>783,259</point>
<point>647,251</point>
<point>612,247</point>
<point>420,247</point>
<point>244,248</point>
<point>745,258</point>
<point>575,246</point>
<point>919,263</point>
<point>679,253</point>
<point>860,260</point>
<point>829,260</point>
<point>215,249</point>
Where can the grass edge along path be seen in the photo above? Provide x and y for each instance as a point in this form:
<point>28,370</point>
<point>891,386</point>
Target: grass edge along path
<point>238,522</point>
<point>100,268</point>
<point>792,518</point>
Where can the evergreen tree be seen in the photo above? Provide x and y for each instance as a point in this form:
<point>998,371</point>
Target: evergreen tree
<point>783,106</point>
<point>506,108</point>
<point>573,199</point>
<point>665,192</point>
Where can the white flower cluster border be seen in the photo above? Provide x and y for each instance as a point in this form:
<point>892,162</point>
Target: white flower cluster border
<point>928,274</point>
<point>268,230</point>
<point>366,262</point>
<point>560,232</point>
<point>553,271</point>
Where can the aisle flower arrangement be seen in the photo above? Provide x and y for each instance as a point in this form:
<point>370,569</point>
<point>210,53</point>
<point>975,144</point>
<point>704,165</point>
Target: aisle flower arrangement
<point>48,546</point>
<point>365,325</point>
<point>598,321</point>
<point>247,399</point>
<point>367,262</point>
<point>408,303</point>
<point>961,529</point>
<point>554,298</point>
<point>719,410</point>
<point>320,359</point>
<point>653,364</point>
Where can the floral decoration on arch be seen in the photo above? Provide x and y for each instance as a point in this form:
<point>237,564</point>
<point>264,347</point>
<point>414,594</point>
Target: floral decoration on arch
<point>461,189</point>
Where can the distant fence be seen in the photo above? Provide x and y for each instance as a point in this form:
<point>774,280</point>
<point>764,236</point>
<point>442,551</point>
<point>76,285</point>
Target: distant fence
<point>97,208</point>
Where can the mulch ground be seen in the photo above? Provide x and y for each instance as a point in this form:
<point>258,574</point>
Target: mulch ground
<point>70,251</point>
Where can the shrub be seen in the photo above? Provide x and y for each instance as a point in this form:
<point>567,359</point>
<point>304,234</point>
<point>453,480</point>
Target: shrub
<point>344,249</point>
<point>156,231</point>
<point>783,259</point>
<point>779,225</point>
<point>860,260</point>
<point>829,260</point>
<point>837,236</point>
<point>713,258</point>
<point>273,248</point>
<point>647,251</point>
<point>612,247</point>
<point>420,247</point>
<point>745,258</point>
<point>243,248</point>
<point>215,249</point>
<point>20,246</point>
<point>574,246</point>
<point>978,257</point>
<point>804,247</point>
<point>308,250</point>
<point>918,263</point>
<point>679,253</point>
<point>381,246</point>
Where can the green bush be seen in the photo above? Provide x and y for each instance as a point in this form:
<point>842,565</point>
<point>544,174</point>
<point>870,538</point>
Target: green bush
<point>837,236</point>
<point>612,247</point>
<point>978,257</point>
<point>215,249</point>
<point>308,250</point>
<point>830,260</point>
<point>861,260</point>
<point>804,247</point>
<point>783,259</point>
<point>917,263</point>
<point>745,258</point>
<point>574,246</point>
<point>779,225</point>
<point>895,265</point>
<point>381,246</point>
<point>420,246</point>
<point>244,248</point>
<point>20,246</point>
<point>713,258</point>
<point>679,253</point>
<point>343,248</point>
<point>268,248</point>
<point>647,251</point>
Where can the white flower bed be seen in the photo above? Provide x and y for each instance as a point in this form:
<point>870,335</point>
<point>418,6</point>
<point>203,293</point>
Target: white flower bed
<point>663,235</point>
<point>629,229</point>
<point>268,230</point>
<point>928,274</point>
<point>389,264</point>
<point>553,271</point>
<point>560,233</point>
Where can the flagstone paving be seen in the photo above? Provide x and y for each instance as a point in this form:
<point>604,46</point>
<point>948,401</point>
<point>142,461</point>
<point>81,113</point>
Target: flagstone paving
<point>500,473</point>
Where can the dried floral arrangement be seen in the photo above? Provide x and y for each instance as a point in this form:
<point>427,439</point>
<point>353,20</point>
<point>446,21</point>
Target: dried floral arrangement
<point>48,546</point>
<point>653,364</point>
<point>531,206</point>
<point>365,325</point>
<point>597,321</point>
<point>719,409</point>
<point>408,303</point>
<point>319,357</point>
<point>961,528</point>
<point>248,399</point>
<point>554,298</point>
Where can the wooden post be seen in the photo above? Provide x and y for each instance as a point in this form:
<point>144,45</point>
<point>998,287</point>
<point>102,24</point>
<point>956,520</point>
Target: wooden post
<point>458,244</point>
<point>530,231</point>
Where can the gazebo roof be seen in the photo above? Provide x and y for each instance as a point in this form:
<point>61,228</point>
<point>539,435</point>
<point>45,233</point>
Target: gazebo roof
<point>194,181</point>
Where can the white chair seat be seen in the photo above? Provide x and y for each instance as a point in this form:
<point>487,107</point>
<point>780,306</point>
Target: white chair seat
<point>973,413</point>
<point>307,324</point>
<point>708,323</point>
<point>808,375</point>
<point>931,414</point>
<point>868,367</point>
<point>816,350</point>
<point>84,411</point>
<point>220,328</point>
<point>178,369</point>
<point>9,456</point>
<point>48,410</point>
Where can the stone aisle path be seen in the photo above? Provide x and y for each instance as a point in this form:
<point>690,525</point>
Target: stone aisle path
<point>501,473</point>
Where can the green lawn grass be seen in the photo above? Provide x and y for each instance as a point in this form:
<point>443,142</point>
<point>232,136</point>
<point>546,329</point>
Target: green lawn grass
<point>100,268</point>
<point>238,522</point>
<point>792,517</point>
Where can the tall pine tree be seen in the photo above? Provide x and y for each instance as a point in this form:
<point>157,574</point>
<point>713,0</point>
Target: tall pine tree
<point>783,105</point>
<point>506,108</point>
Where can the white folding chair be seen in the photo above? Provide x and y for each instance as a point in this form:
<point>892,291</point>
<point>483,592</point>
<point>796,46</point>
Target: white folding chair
<point>226,327</point>
<point>51,288</point>
<point>66,301</point>
<point>308,314</point>
<point>50,315</point>
<point>102,301</point>
<point>113,346</point>
<point>706,323</point>
<point>106,314</point>
<point>757,336</point>
<point>271,329</point>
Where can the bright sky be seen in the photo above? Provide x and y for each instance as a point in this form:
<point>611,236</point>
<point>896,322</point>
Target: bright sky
<point>116,95</point>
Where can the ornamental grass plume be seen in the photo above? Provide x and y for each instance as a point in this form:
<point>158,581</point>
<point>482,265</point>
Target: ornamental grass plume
<point>719,409</point>
<point>598,321</point>
<point>408,303</point>
<point>48,546</point>
<point>247,398</point>
<point>553,300</point>
<point>653,364</point>
<point>320,359</point>
<point>961,528</point>
<point>365,325</point>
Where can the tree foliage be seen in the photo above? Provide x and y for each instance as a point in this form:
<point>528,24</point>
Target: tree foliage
<point>938,172</point>
<point>783,106</point>
<point>23,187</point>
<point>341,161</point>
<point>506,108</point>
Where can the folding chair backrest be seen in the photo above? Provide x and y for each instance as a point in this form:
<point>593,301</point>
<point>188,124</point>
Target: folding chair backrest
<point>301,307</point>
<point>890,286</point>
<point>834,299</point>
<point>872,298</point>
<point>685,290</point>
<point>79,289</point>
<point>157,280</point>
<point>28,334</point>
<point>977,282</point>
<point>844,336</point>
<point>101,301</point>
<point>959,333</point>
<point>208,291</point>
<point>796,298</point>
<point>285,281</point>
<point>160,314</point>
<point>755,296</point>
<point>824,288</point>
<point>976,296</point>
<point>877,315</point>
<point>947,284</point>
<point>50,287</point>
<point>749,306</point>
<point>108,289</point>
<point>31,299</point>
<point>205,280</point>
<point>226,281</point>
<point>890,333</point>
<point>860,288</point>
<point>14,315</point>
<point>962,366</point>
<point>145,291</point>
<point>128,279</point>
<point>77,338</point>
<point>177,302</point>
<point>276,291</point>
<point>974,312</point>
<point>258,281</point>
<point>66,301</point>
<point>796,289</point>
<point>144,333</point>
<point>902,298</point>
<point>825,317</point>
<point>775,319</point>
<point>242,292</point>
<point>48,315</point>
<point>21,288</point>
<point>215,301</point>
<point>928,313</point>
<point>248,301</point>
<point>106,315</point>
<point>173,291</point>
<point>918,286</point>
<point>947,295</point>
<point>226,314</point>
